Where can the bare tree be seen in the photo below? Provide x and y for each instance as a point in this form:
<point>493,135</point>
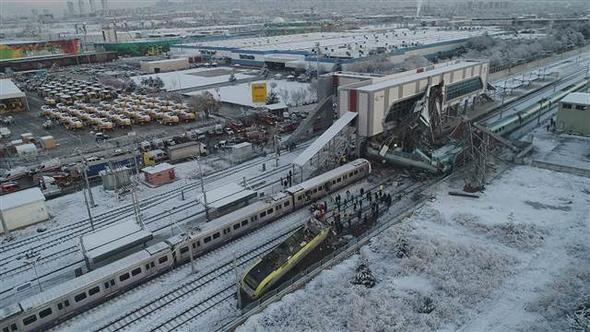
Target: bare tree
<point>205,104</point>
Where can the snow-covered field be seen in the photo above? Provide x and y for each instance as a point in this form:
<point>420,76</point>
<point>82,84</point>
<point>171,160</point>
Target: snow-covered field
<point>516,259</point>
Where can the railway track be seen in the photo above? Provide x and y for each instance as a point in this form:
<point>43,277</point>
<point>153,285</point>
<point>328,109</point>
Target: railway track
<point>215,287</point>
<point>190,287</point>
<point>517,104</point>
<point>56,236</point>
<point>63,253</point>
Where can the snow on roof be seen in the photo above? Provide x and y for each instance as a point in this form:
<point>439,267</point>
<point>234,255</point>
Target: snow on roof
<point>193,78</point>
<point>157,168</point>
<point>332,174</point>
<point>20,198</point>
<point>173,60</point>
<point>227,194</point>
<point>241,145</point>
<point>111,239</point>
<point>9,90</point>
<point>580,98</point>
<point>30,147</point>
<point>357,43</point>
<point>321,141</point>
<point>387,81</point>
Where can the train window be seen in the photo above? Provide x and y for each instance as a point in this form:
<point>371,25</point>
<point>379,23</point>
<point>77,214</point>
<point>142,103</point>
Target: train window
<point>124,277</point>
<point>112,282</point>
<point>45,313</point>
<point>227,230</point>
<point>207,239</point>
<point>286,204</point>
<point>263,214</point>
<point>80,297</point>
<point>338,180</point>
<point>198,243</point>
<point>13,327</point>
<point>60,306</point>
<point>216,235</point>
<point>255,217</point>
<point>163,259</point>
<point>30,320</point>
<point>269,211</point>
<point>299,197</point>
<point>67,303</point>
<point>5,329</point>
<point>236,226</point>
<point>183,250</point>
<point>93,290</point>
<point>136,271</point>
<point>106,285</point>
<point>245,222</point>
<point>351,174</point>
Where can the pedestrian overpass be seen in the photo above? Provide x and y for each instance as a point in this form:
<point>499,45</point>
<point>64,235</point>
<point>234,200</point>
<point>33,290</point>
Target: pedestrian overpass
<point>328,149</point>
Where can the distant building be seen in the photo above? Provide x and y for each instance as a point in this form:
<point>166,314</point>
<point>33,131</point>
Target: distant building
<point>573,116</point>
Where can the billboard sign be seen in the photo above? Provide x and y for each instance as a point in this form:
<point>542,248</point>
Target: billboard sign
<point>258,92</point>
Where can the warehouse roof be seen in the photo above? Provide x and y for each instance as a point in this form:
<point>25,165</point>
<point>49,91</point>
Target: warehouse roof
<point>580,98</point>
<point>9,90</point>
<point>20,198</point>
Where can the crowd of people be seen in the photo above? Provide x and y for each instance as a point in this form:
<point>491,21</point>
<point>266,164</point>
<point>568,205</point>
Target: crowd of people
<point>363,207</point>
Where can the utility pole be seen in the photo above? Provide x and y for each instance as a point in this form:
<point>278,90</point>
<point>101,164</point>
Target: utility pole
<point>88,209</point>
<point>88,183</point>
<point>235,263</point>
<point>203,190</point>
<point>5,226</point>
<point>34,262</point>
<point>190,252</point>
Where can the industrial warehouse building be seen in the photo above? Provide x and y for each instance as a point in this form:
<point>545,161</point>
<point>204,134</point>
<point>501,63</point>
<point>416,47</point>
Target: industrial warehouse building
<point>23,208</point>
<point>337,50</point>
<point>12,99</point>
<point>167,65</point>
<point>574,114</point>
<point>380,102</point>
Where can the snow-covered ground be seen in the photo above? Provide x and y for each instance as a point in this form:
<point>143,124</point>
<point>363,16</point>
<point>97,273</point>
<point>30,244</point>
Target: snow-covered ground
<point>515,259</point>
<point>291,93</point>
<point>70,209</point>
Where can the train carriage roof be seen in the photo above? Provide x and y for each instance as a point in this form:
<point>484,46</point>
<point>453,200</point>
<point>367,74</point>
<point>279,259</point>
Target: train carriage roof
<point>84,281</point>
<point>315,181</point>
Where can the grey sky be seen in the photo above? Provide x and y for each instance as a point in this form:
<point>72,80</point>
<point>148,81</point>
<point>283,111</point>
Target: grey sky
<point>12,7</point>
